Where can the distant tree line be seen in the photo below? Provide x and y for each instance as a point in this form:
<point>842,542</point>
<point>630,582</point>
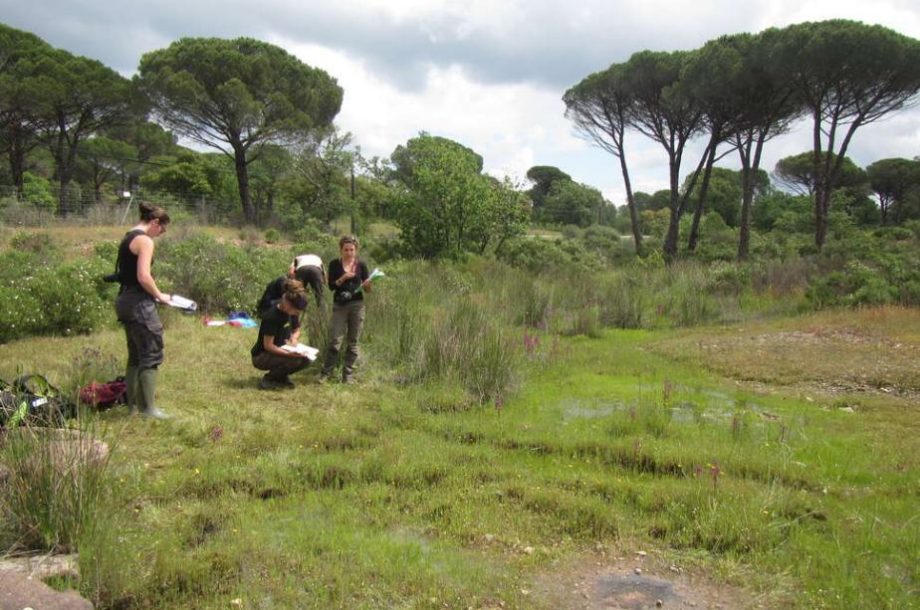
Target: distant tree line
<point>739,91</point>
<point>267,116</point>
<point>240,97</point>
<point>73,129</point>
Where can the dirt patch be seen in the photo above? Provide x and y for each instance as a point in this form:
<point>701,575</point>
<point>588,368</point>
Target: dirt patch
<point>636,582</point>
<point>870,352</point>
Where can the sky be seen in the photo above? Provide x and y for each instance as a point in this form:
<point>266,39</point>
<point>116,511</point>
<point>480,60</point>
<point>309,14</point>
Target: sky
<point>489,74</point>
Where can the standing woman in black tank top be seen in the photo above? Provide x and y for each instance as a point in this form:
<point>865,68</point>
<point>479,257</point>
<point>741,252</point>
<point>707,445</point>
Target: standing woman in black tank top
<point>136,309</point>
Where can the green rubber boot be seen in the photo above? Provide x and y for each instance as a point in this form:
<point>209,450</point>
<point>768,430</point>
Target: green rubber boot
<point>148,386</point>
<point>131,389</point>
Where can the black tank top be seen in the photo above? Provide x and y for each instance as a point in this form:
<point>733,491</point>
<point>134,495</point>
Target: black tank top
<point>127,260</point>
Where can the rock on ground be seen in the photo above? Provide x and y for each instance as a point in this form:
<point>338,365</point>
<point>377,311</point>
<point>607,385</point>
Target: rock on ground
<point>18,591</point>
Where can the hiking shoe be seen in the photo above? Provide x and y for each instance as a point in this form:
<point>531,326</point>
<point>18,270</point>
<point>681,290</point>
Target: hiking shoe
<point>267,383</point>
<point>275,383</point>
<point>348,379</point>
<point>324,378</point>
<point>286,382</point>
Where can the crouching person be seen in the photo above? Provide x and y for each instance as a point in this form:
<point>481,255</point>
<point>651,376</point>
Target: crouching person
<point>280,326</point>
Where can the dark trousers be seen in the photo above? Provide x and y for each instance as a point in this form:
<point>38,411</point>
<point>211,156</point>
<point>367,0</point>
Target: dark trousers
<point>347,321</point>
<point>137,311</point>
<point>278,367</point>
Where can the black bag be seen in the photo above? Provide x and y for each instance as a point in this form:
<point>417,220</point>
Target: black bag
<point>31,399</point>
<point>340,297</point>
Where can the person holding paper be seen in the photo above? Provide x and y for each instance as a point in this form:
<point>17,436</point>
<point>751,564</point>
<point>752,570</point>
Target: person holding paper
<point>349,279</point>
<point>136,309</point>
<point>280,327</point>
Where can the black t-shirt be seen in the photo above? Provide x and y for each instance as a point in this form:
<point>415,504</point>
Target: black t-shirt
<point>336,270</point>
<point>277,324</point>
<point>273,291</point>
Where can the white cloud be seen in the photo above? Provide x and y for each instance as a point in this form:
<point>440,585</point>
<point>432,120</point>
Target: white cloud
<point>487,74</point>
<point>510,125</point>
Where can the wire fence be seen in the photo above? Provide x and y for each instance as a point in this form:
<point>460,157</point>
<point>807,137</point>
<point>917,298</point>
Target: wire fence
<point>90,209</point>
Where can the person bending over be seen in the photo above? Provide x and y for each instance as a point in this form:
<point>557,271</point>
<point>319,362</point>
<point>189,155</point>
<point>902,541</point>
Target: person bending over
<point>307,269</point>
<point>136,309</point>
<point>280,326</point>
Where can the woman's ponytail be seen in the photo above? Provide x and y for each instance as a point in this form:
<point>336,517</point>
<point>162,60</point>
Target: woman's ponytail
<point>294,293</point>
<point>150,212</point>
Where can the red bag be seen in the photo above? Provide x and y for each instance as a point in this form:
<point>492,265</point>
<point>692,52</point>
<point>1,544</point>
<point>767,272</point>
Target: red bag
<point>105,395</point>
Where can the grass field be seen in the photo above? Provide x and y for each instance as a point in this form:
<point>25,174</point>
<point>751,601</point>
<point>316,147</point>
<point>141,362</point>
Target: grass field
<point>778,458</point>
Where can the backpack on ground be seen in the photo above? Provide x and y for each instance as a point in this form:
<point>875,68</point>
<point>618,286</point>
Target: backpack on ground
<point>32,399</point>
<point>105,395</point>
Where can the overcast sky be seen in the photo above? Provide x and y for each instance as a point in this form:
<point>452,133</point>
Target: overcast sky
<point>489,74</point>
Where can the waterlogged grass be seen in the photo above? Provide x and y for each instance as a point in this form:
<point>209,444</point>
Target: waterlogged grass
<point>387,495</point>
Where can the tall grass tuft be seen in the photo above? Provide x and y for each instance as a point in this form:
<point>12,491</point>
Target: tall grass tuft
<point>686,298</point>
<point>91,364</point>
<point>529,297</point>
<point>55,482</point>
<point>314,328</point>
<point>467,344</point>
<point>624,298</point>
<point>581,301</point>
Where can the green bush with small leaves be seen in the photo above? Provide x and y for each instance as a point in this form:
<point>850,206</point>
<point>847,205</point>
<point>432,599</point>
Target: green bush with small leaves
<point>43,298</point>
<point>220,277</point>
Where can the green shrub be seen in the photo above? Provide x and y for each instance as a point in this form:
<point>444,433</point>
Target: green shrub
<point>38,191</point>
<point>729,278</point>
<point>383,249</point>
<point>913,226</point>
<point>857,285</point>
<point>91,364</point>
<point>19,314</point>
<point>49,299</point>
<point>718,241</point>
<point>535,254</point>
<point>783,278</point>
<point>530,298</point>
<point>39,244</point>
<point>272,236</point>
<point>73,298</point>
<point>311,237</point>
<point>910,293</point>
<point>250,237</point>
<point>571,232</point>
<point>219,277</point>
<point>894,233</point>
<point>607,243</point>
<point>107,251</point>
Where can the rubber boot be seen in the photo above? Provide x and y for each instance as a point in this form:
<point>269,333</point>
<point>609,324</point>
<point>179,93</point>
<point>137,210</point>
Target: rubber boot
<point>131,389</point>
<point>147,390</point>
